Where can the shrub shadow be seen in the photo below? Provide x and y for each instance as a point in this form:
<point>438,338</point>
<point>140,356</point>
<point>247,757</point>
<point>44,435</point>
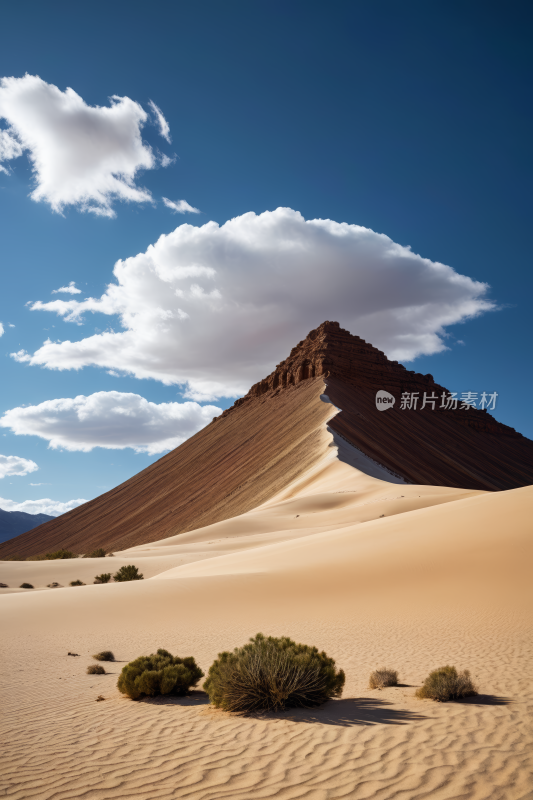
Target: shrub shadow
<point>350,712</point>
<point>486,700</point>
<point>193,698</point>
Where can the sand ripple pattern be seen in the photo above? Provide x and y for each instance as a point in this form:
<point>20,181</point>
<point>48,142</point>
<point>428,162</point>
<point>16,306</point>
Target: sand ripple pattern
<point>370,744</point>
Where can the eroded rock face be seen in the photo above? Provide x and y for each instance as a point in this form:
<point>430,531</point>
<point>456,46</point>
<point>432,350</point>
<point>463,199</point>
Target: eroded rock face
<point>333,352</point>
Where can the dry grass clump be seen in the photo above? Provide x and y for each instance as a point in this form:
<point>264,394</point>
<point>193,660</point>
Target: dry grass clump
<point>128,573</point>
<point>76,583</point>
<point>105,655</point>
<point>54,585</point>
<point>159,673</point>
<point>95,669</point>
<point>4,586</point>
<point>53,556</point>
<point>98,553</point>
<point>270,674</point>
<point>26,586</point>
<point>445,684</point>
<point>383,677</point>
<point>105,577</point>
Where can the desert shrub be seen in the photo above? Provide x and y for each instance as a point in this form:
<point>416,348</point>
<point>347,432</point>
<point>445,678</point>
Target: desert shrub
<point>105,655</point>
<point>54,585</point>
<point>105,577</point>
<point>383,677</point>
<point>98,553</point>
<point>446,683</point>
<point>26,586</point>
<point>272,674</point>
<point>95,669</point>
<point>53,556</point>
<point>76,583</point>
<point>129,573</point>
<point>4,586</point>
<point>159,673</point>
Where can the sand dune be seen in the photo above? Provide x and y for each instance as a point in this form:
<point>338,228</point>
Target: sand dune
<point>375,572</point>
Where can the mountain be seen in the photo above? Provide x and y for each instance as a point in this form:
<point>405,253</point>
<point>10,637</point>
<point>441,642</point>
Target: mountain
<point>266,440</point>
<point>13,523</point>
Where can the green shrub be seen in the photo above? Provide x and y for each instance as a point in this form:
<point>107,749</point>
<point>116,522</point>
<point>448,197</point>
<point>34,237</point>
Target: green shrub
<point>98,553</point>
<point>446,683</point>
<point>105,577</point>
<point>383,677</point>
<point>53,556</point>
<point>26,586</point>
<point>105,655</point>
<point>272,674</point>
<point>159,673</point>
<point>95,669</point>
<point>76,583</point>
<point>129,573</point>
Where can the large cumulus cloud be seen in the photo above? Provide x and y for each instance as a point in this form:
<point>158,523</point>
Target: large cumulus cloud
<point>82,155</point>
<point>112,420</point>
<point>214,308</point>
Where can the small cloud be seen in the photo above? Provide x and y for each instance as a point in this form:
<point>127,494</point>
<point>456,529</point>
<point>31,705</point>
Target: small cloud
<point>166,161</point>
<point>460,341</point>
<point>180,206</point>
<point>40,484</point>
<point>11,325</point>
<point>13,465</point>
<point>45,506</point>
<point>164,127</point>
<point>70,289</point>
<point>1,329</point>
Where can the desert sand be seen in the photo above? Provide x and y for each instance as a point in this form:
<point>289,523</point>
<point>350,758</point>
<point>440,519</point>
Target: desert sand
<point>347,557</point>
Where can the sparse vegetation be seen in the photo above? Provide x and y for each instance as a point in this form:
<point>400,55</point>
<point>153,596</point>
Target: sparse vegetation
<point>98,553</point>
<point>4,586</point>
<point>76,583</point>
<point>272,674</point>
<point>383,677</point>
<point>159,673</point>
<point>53,556</point>
<point>105,577</point>
<point>26,586</point>
<point>128,573</point>
<point>95,669</point>
<point>445,684</point>
<point>54,585</point>
<point>105,655</point>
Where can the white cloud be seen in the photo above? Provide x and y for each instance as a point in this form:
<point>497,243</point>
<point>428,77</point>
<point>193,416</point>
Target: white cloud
<point>180,206</point>
<point>70,289</point>
<point>85,156</point>
<point>164,127</point>
<point>2,329</point>
<point>113,420</point>
<point>45,506</point>
<point>13,465</point>
<point>215,308</point>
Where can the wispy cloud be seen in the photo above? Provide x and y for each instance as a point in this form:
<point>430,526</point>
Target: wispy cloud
<point>164,127</point>
<point>70,289</point>
<point>180,206</point>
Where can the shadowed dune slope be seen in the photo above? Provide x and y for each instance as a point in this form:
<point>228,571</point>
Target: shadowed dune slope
<point>269,438</point>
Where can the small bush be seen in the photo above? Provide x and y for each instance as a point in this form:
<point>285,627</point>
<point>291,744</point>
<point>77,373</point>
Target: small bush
<point>26,586</point>
<point>53,556</point>
<point>98,553</point>
<point>76,583</point>
<point>272,674</point>
<point>95,669</point>
<point>383,677</point>
<point>105,577</point>
<point>54,585</point>
<point>105,655</point>
<point>129,573</point>
<point>159,673</point>
<point>445,684</point>
<point>4,586</point>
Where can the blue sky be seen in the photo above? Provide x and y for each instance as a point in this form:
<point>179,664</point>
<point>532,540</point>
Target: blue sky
<point>412,120</point>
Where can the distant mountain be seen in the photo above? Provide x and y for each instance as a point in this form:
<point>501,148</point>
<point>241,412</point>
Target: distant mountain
<point>13,523</point>
<point>268,438</point>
